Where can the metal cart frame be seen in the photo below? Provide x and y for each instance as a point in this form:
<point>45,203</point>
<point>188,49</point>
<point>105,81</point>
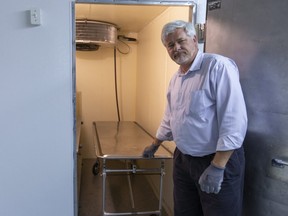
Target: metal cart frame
<point>117,141</point>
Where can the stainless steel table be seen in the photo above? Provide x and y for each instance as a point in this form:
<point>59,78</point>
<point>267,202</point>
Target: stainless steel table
<point>126,141</point>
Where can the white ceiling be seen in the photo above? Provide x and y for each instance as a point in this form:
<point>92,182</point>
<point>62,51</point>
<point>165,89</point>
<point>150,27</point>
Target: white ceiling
<point>129,18</point>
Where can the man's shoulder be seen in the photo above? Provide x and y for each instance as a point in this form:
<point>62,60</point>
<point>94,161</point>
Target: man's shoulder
<point>214,56</point>
<point>217,59</point>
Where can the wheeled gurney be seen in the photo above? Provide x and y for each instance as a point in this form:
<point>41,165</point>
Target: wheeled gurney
<point>126,141</point>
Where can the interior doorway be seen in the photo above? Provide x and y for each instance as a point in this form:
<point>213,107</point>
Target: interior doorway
<point>95,70</point>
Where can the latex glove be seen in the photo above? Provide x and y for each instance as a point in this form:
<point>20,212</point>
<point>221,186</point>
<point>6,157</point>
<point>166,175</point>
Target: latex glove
<point>149,151</point>
<point>211,179</point>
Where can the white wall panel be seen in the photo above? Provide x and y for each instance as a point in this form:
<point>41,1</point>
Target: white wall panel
<point>36,129</point>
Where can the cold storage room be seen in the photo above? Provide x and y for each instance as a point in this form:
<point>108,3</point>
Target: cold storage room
<point>124,80</point>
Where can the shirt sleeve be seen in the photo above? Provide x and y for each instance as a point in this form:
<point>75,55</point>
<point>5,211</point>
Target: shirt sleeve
<point>231,108</point>
<point>164,131</point>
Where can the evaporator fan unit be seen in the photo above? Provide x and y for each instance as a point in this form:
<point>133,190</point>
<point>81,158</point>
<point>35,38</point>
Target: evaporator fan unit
<point>90,35</point>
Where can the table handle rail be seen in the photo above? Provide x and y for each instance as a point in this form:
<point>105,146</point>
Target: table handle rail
<point>156,171</point>
<point>134,213</point>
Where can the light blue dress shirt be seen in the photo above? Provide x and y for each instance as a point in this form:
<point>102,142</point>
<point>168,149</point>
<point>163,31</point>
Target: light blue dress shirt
<point>205,110</point>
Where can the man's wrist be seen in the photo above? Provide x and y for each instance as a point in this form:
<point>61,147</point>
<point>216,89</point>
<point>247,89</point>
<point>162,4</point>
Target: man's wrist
<point>157,142</point>
<point>221,158</point>
<point>217,166</point>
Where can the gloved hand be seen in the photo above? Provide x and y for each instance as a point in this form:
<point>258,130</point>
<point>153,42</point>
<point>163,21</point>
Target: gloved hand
<point>211,179</point>
<point>149,151</point>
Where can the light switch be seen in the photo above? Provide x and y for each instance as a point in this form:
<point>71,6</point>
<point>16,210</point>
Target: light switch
<point>35,16</point>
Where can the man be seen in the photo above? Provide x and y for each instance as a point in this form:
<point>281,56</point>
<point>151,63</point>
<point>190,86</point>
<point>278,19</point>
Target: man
<point>206,118</point>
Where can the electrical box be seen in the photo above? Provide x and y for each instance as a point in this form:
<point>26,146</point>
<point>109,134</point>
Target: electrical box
<point>35,16</point>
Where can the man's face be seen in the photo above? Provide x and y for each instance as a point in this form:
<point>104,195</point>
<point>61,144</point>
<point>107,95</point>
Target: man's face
<point>181,48</point>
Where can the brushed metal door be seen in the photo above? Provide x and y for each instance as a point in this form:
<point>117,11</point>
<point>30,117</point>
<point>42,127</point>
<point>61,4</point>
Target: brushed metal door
<point>254,34</point>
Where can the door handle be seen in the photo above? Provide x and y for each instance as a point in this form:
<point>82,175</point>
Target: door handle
<point>279,163</point>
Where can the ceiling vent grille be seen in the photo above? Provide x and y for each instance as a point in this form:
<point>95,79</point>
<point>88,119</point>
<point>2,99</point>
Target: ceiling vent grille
<point>90,34</point>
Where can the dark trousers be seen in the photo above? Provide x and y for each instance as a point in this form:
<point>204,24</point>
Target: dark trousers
<point>189,200</point>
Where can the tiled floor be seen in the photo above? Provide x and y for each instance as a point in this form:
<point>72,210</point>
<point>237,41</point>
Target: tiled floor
<point>117,192</point>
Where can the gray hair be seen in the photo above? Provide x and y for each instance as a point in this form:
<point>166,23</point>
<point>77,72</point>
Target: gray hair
<point>172,26</point>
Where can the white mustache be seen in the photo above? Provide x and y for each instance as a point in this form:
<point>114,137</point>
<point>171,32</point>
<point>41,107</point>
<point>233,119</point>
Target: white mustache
<point>177,54</point>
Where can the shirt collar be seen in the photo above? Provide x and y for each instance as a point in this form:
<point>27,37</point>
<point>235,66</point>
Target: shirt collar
<point>196,65</point>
